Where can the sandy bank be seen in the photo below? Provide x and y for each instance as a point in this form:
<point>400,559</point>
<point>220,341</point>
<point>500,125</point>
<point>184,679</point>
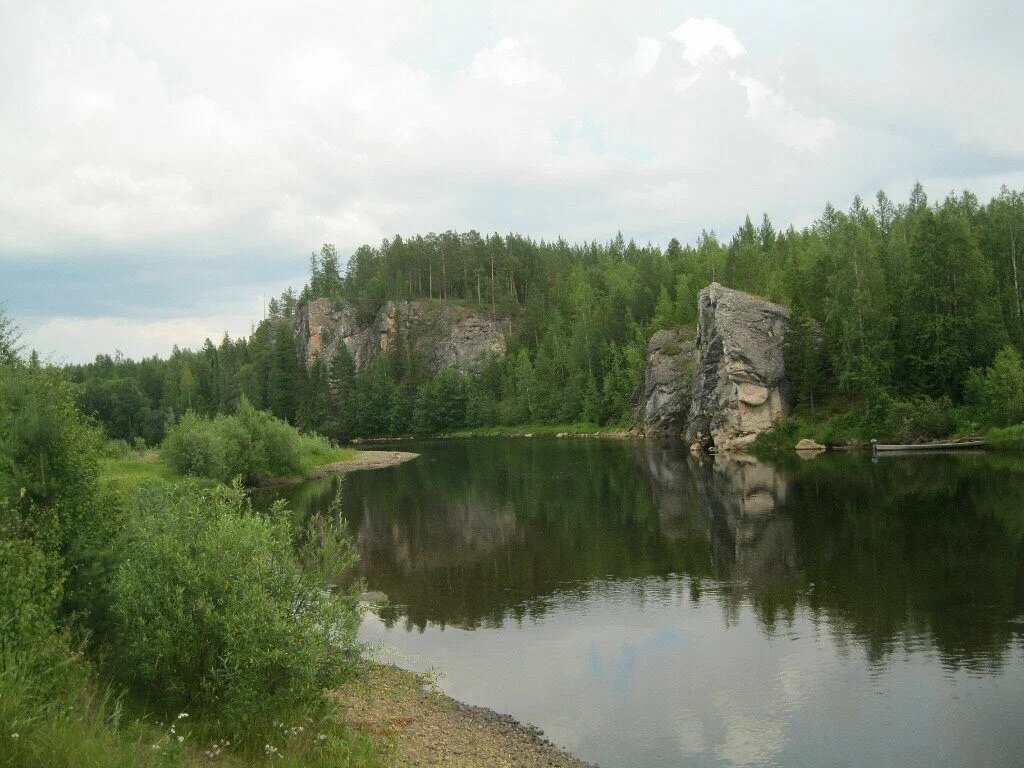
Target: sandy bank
<point>431,730</point>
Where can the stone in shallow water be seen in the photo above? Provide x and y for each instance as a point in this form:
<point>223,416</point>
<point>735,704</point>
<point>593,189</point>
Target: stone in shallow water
<point>808,445</point>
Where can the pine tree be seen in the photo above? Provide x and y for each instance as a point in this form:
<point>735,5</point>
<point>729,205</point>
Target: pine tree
<point>340,380</point>
<point>287,377</point>
<point>316,412</point>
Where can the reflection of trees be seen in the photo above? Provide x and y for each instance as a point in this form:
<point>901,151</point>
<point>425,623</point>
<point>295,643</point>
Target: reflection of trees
<point>914,548</point>
<point>487,529</point>
<point>888,555</point>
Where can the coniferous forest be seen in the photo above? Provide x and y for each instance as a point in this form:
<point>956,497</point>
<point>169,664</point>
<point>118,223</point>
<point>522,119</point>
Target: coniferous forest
<point>907,318</point>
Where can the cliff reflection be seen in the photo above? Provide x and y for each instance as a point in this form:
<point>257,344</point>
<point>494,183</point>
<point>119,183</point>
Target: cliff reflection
<point>922,553</point>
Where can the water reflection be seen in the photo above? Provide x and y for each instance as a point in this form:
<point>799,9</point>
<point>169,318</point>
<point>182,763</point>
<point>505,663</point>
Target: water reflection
<point>650,608</point>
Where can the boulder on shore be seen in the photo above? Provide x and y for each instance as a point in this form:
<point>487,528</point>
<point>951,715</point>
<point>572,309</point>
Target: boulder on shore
<point>739,384</point>
<point>806,444</point>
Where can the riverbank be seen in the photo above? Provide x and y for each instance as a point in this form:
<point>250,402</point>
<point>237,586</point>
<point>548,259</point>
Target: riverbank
<point>539,430</point>
<point>130,472</point>
<point>432,730</point>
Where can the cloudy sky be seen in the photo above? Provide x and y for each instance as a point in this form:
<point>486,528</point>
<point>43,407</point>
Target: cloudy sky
<point>164,167</point>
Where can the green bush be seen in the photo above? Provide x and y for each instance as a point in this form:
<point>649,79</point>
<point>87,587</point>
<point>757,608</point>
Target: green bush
<point>1007,438</point>
<point>214,613</point>
<point>194,446</point>
<point>921,419</point>
<point>252,445</point>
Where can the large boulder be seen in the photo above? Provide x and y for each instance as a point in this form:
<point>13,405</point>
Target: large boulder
<point>739,383</point>
<point>442,334</point>
<point>661,402</point>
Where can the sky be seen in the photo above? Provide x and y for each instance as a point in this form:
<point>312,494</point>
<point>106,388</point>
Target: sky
<point>165,168</point>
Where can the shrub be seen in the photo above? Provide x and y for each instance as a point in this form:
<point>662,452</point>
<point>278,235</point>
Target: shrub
<point>998,391</point>
<point>194,447</point>
<point>922,418</point>
<point>251,445</point>
<point>1007,438</point>
<point>214,613</point>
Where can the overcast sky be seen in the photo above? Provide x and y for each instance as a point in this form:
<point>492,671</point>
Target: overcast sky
<point>165,166</point>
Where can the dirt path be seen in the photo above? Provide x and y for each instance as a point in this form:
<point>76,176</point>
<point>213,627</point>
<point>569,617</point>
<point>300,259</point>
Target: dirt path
<point>431,730</point>
<point>365,460</point>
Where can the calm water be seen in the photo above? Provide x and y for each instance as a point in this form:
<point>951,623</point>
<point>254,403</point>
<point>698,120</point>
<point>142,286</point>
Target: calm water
<point>647,609</point>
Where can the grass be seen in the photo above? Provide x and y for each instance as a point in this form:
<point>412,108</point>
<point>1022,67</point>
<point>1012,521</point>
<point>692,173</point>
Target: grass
<point>83,728</point>
<point>536,429</point>
<point>320,456</point>
<point>142,468</point>
<point>135,470</point>
<point>1007,438</point>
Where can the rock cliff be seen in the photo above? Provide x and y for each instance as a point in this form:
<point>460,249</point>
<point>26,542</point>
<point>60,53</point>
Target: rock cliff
<point>739,384</point>
<point>661,402</point>
<point>443,334</point>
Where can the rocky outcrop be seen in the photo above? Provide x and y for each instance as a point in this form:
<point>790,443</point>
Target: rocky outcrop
<point>441,334</point>
<point>739,384</point>
<point>661,402</point>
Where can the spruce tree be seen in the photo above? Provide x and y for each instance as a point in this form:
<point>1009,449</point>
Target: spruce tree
<point>340,379</point>
<point>287,377</point>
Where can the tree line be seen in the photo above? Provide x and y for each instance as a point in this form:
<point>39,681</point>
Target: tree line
<point>891,303</point>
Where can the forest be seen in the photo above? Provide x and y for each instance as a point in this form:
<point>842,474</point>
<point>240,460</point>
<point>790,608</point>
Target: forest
<point>906,317</point>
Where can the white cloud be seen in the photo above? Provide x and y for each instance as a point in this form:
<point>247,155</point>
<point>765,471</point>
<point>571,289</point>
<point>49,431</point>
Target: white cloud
<point>514,62</point>
<point>789,127</point>
<point>706,41</point>
<point>645,59</point>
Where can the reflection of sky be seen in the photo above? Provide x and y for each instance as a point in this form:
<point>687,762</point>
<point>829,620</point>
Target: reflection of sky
<point>665,681</point>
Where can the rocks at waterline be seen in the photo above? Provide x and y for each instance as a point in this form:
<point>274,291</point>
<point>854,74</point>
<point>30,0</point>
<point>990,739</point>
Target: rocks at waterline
<point>661,401</point>
<point>444,334</point>
<point>806,445</point>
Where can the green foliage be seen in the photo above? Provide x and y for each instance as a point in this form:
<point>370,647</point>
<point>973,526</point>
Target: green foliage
<point>340,380</point>
<point>287,376</point>
<point>921,419</point>
<point>1007,438</point>
<point>10,336</point>
<point>31,593</point>
<point>998,392</point>
<point>251,445</point>
<point>441,403</point>
<point>213,613</point>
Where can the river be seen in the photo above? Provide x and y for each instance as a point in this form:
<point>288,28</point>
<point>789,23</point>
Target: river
<point>649,609</point>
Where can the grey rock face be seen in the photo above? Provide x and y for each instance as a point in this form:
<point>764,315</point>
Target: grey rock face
<point>739,385</point>
<point>661,402</point>
<point>444,334</point>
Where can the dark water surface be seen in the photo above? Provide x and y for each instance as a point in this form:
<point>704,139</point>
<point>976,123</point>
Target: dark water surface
<point>648,609</point>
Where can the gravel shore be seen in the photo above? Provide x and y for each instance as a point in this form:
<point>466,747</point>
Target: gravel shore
<point>431,730</point>
<point>364,460</point>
